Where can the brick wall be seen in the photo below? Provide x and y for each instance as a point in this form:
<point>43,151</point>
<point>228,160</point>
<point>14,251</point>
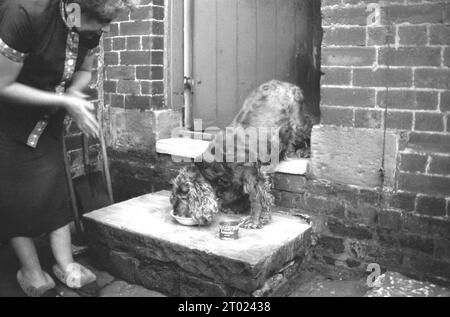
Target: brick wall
<point>136,110</point>
<point>404,61</point>
<point>134,59</point>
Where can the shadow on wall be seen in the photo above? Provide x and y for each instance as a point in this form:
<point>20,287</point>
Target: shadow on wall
<point>309,61</point>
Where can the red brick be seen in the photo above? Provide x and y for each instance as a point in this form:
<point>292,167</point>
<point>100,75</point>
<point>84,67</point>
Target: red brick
<point>399,120</point>
<point>133,43</point>
<point>137,102</point>
<point>413,163</point>
<point>119,43</point>
<point>337,116</point>
<point>410,56</point>
<point>413,35</point>
<point>110,86</point>
<point>353,36</point>
<point>432,78</point>
<point>114,30</point>
<point>348,97</point>
<point>440,35</point>
<point>145,87</point>
<point>117,101</point>
<point>157,87</point>
<point>382,35</point>
<point>336,76</point>
<point>143,72</point>
<point>120,72</point>
<point>123,16</point>
<point>128,87</point>
<point>158,13</point>
<point>440,165</point>
<point>429,122</point>
<point>447,57</point>
<point>157,102</point>
<point>368,118</point>
<point>403,201</point>
<point>445,101</point>
<point>135,58</point>
<point>382,77</point>
<point>157,72</point>
<point>111,58</point>
<point>430,143</point>
<point>430,185</point>
<point>431,206</point>
<point>447,13</point>
<point>107,44</point>
<point>414,14</point>
<point>405,99</point>
<point>135,28</point>
<point>143,13</point>
<point>157,58</point>
<point>348,56</point>
<point>157,28</point>
<point>345,16</point>
<point>390,219</point>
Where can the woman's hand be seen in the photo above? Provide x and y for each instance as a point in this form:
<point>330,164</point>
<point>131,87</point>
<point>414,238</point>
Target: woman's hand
<point>81,111</point>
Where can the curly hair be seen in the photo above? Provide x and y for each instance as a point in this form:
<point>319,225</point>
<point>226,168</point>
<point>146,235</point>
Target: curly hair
<point>105,10</point>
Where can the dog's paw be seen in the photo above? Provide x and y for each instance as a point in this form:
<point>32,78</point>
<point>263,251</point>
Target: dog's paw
<point>250,223</point>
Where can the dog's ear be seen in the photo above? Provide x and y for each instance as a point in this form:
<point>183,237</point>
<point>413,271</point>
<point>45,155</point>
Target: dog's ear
<point>203,203</point>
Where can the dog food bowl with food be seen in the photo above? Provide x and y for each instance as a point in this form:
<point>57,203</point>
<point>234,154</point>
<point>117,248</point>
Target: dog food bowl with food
<point>183,220</point>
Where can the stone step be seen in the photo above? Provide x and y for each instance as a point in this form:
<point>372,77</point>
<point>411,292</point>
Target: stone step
<point>140,242</point>
<point>190,147</point>
<point>182,147</point>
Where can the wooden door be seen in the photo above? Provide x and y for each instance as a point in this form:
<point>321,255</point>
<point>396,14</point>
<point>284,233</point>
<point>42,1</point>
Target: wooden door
<point>240,44</point>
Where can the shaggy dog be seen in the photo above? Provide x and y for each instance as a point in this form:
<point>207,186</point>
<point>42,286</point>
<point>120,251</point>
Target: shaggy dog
<point>205,188</point>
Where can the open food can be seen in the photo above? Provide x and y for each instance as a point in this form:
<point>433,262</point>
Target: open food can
<point>229,230</point>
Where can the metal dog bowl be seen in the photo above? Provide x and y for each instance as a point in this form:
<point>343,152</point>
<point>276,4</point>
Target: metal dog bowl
<point>229,230</point>
<point>184,221</point>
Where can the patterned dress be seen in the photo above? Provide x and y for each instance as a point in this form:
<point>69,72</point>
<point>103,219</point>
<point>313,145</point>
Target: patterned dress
<point>34,197</point>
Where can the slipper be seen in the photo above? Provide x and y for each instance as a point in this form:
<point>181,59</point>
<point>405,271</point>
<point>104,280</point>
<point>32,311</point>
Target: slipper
<point>48,290</point>
<point>78,278</point>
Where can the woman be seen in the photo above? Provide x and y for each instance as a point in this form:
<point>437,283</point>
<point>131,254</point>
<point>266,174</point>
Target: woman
<point>45,63</point>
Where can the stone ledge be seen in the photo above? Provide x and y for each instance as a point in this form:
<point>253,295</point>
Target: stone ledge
<point>182,147</point>
<point>141,243</point>
<point>294,167</point>
<point>353,156</point>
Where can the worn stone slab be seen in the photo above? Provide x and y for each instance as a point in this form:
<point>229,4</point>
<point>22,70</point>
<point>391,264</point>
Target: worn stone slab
<point>392,284</point>
<point>182,147</point>
<point>353,156</point>
<point>123,289</point>
<point>143,244</point>
<point>294,167</point>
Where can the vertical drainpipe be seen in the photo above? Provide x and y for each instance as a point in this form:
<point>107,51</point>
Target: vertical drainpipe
<point>188,61</point>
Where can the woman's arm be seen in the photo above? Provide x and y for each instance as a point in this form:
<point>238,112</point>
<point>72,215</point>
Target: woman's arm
<point>19,94</point>
<point>16,93</point>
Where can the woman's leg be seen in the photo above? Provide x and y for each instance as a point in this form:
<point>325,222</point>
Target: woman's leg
<point>61,244</point>
<point>31,267</point>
